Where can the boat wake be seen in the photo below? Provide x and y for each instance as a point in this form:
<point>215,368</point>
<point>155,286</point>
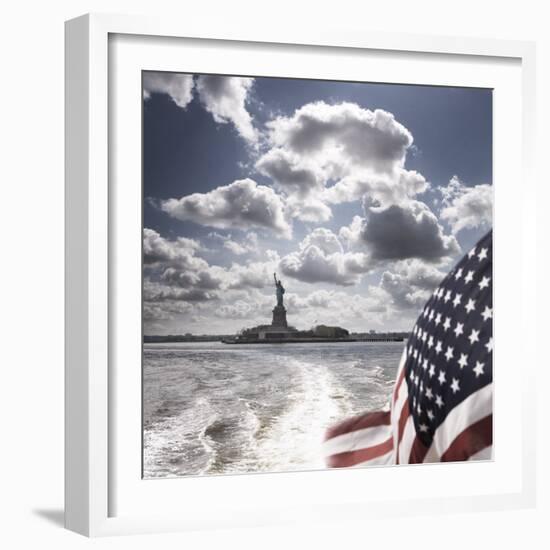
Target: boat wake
<point>246,411</point>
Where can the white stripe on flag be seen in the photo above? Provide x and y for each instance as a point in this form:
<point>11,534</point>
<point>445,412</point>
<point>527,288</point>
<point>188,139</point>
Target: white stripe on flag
<point>402,400</point>
<point>401,366</point>
<point>476,406</point>
<point>409,435</point>
<point>358,439</point>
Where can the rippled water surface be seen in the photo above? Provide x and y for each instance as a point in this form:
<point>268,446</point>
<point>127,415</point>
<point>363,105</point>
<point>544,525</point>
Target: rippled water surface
<point>211,408</point>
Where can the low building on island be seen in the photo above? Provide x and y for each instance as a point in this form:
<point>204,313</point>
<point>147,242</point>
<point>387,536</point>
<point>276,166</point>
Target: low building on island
<point>323,331</point>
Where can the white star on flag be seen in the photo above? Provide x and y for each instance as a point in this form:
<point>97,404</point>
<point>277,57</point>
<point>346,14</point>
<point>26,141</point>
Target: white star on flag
<point>487,313</point>
<point>478,369</point>
<point>484,283</point>
<point>458,329</point>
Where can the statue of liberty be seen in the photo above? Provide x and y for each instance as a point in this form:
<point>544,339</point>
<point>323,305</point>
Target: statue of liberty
<point>279,289</point>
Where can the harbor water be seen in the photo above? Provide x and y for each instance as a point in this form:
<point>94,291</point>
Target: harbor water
<point>210,408</point>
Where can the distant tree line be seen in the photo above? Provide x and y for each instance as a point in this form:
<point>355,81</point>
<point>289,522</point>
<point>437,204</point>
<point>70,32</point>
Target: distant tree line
<point>156,339</point>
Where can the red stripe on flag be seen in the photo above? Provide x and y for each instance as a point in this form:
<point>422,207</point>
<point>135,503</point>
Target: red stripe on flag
<point>350,458</point>
<point>368,420</point>
<point>405,411</point>
<point>473,439</point>
<point>418,451</point>
<point>398,383</point>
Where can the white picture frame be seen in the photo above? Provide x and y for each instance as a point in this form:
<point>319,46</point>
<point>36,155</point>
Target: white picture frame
<point>95,397</point>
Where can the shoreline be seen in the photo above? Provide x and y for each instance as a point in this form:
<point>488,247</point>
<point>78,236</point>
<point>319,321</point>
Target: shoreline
<point>232,341</point>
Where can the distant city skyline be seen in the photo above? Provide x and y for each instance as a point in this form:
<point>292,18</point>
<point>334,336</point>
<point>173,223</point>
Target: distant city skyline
<point>360,196</point>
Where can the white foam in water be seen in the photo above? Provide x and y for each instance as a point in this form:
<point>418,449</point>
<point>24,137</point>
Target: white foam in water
<point>172,440</point>
<point>294,441</point>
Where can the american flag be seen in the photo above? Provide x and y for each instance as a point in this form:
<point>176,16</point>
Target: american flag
<point>442,402</point>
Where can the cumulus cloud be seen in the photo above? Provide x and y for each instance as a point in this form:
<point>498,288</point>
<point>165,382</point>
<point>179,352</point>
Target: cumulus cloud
<point>411,283</point>
<point>393,188</point>
<point>240,205</point>
<point>206,279</point>
<point>312,210</point>
<point>397,232</point>
<point>225,97</point>
<point>302,185</point>
<point>339,307</point>
<point>239,248</point>
<point>182,275</point>
<point>254,306</point>
<point>178,86</point>
<point>246,245</point>
<point>177,265</point>
<point>252,274</point>
<point>161,293</point>
<point>352,235</point>
<point>290,172</point>
<point>163,303</point>
<point>321,258</point>
<point>465,206</point>
<point>157,249</point>
<point>345,131</point>
<point>240,309</point>
<point>328,154</point>
<point>318,298</point>
<point>323,239</point>
<point>154,312</point>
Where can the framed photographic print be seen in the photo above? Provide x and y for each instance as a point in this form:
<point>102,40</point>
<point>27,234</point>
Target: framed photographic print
<point>283,255</point>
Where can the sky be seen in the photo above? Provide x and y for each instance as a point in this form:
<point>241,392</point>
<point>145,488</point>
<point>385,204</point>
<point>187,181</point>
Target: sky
<point>360,196</point>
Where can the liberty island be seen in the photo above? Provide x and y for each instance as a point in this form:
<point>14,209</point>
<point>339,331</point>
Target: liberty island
<point>279,331</point>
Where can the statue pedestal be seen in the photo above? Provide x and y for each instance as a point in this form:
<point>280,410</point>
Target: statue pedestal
<point>279,317</point>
